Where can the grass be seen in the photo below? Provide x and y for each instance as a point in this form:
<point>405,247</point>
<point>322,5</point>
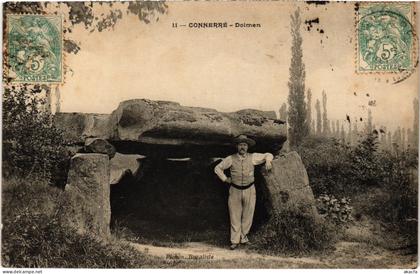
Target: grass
<point>34,236</point>
<point>296,233</point>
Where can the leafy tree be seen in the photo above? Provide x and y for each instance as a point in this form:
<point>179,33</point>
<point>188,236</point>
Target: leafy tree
<point>416,123</point>
<point>283,112</point>
<point>403,132</point>
<point>313,129</point>
<point>325,123</point>
<point>318,117</point>
<point>389,140</point>
<point>355,132</point>
<point>32,145</point>
<point>309,109</point>
<point>86,14</point>
<point>366,166</point>
<point>342,134</point>
<point>369,122</point>
<point>297,114</point>
<point>410,140</point>
<point>396,138</point>
<point>337,128</point>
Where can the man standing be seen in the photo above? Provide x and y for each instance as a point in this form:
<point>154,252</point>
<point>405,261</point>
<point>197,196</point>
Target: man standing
<point>242,190</point>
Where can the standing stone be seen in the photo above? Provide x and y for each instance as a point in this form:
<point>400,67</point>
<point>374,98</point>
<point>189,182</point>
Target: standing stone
<point>88,184</point>
<point>288,186</point>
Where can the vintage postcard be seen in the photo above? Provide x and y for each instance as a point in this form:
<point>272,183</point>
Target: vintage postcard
<point>210,134</point>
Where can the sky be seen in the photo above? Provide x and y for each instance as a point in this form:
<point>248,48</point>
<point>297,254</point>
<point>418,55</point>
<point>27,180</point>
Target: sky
<point>231,69</point>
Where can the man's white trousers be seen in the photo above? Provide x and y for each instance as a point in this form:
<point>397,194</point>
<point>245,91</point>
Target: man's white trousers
<point>241,211</point>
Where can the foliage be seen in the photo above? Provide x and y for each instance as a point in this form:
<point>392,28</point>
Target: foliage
<point>416,123</point>
<point>325,122</point>
<point>335,210</point>
<point>31,142</point>
<point>366,162</point>
<point>337,168</point>
<point>318,117</point>
<point>34,235</point>
<point>283,112</point>
<point>83,13</point>
<point>297,110</point>
<point>295,232</point>
<point>328,166</point>
<point>309,111</point>
<point>350,171</point>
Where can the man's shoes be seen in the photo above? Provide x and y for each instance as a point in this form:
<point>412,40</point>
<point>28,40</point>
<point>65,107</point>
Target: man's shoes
<point>247,243</point>
<point>233,246</point>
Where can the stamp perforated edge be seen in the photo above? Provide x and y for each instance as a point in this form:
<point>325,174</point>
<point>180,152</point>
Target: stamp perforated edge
<point>6,68</point>
<point>415,43</point>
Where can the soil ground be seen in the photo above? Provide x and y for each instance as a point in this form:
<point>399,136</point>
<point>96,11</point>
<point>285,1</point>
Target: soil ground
<point>345,255</point>
<point>360,247</point>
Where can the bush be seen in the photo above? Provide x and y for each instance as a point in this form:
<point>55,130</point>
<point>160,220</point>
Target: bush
<point>295,232</point>
<point>345,171</point>
<point>32,145</point>
<point>37,240</point>
<point>342,170</point>
<point>34,235</point>
<point>328,165</point>
<point>335,210</point>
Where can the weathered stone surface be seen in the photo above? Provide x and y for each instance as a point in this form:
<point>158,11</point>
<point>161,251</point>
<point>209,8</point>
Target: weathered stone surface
<point>158,127</point>
<point>169,123</point>
<point>123,164</point>
<point>77,127</point>
<point>288,185</point>
<point>88,181</point>
<point>98,145</point>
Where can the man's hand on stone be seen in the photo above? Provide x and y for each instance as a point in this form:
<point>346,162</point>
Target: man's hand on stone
<point>228,180</point>
<point>268,165</point>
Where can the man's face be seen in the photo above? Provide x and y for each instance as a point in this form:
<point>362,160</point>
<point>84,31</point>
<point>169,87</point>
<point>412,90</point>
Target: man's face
<point>242,148</point>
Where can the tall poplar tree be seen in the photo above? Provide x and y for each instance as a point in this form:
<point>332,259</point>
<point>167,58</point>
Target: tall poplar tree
<point>416,123</point>
<point>343,134</point>
<point>283,112</point>
<point>309,109</point>
<point>318,117</point>
<point>337,128</point>
<point>297,113</point>
<point>369,122</point>
<point>325,123</point>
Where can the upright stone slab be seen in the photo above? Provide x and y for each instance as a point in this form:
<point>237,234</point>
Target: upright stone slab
<point>88,182</point>
<point>288,185</point>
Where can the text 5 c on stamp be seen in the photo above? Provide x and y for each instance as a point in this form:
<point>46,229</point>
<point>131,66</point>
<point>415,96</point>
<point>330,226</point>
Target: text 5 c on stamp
<point>35,48</point>
<point>385,37</point>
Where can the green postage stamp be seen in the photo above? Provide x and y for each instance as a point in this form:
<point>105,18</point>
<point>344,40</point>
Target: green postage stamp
<point>385,37</point>
<point>35,48</point>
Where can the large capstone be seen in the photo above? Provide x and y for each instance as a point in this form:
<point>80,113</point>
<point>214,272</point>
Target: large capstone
<point>88,183</point>
<point>77,127</point>
<point>166,128</point>
<point>287,186</point>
